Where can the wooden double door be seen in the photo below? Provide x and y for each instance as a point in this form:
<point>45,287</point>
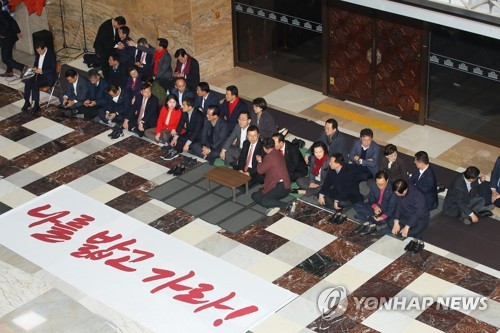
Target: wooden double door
<point>377,59</point>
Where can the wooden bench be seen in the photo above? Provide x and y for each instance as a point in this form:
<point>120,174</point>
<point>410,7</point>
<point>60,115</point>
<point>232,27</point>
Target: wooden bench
<point>227,178</point>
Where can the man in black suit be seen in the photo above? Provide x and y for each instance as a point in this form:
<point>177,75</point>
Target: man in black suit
<point>99,98</point>
<point>144,113</point>
<point>204,97</point>
<point>365,155</point>
<point>45,70</point>
<point>213,136</point>
<point>188,68</point>
<point>463,200</point>
<point>425,180</point>
<point>106,39</point>
<point>117,73</point>
<point>247,163</point>
<point>231,108</point>
<point>181,90</point>
<point>124,51</point>
<point>118,108</point>
<point>189,129</point>
<point>142,59</point>
<point>341,185</point>
<point>295,163</point>
<point>495,183</point>
<point>232,147</point>
<point>10,34</point>
<point>77,92</point>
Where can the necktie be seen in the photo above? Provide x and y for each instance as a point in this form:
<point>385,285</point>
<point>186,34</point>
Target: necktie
<point>249,158</point>
<point>282,152</point>
<point>143,58</point>
<point>143,108</point>
<point>203,103</point>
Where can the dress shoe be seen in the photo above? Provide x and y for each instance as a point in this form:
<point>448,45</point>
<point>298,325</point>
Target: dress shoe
<point>360,228</point>
<point>173,169</point>
<point>170,155</point>
<point>25,107</point>
<point>290,208</point>
<point>294,191</point>
<point>410,245</point>
<point>35,109</point>
<point>166,148</point>
<point>371,229</point>
<point>441,188</point>
<point>7,74</point>
<point>418,247</point>
<point>333,217</point>
<point>180,170</point>
<point>485,213</point>
<point>340,218</point>
<point>467,220</point>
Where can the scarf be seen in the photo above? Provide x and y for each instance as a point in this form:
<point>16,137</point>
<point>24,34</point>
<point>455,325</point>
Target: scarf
<point>318,163</point>
<point>158,56</point>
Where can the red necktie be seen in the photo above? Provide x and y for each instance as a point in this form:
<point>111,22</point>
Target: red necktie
<point>282,153</point>
<point>249,158</point>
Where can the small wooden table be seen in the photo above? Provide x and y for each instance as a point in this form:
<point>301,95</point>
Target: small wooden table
<point>228,178</point>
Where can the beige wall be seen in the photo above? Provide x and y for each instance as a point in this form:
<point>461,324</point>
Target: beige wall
<point>202,27</point>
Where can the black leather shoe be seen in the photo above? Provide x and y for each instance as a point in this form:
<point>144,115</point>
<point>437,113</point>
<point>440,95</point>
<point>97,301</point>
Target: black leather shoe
<point>35,109</point>
<point>333,217</point>
<point>360,228</point>
<point>294,191</point>
<point>410,245</point>
<point>485,213</point>
<point>25,107</point>
<point>371,229</point>
<point>441,188</point>
<point>174,168</point>
<point>340,219</point>
<point>418,247</point>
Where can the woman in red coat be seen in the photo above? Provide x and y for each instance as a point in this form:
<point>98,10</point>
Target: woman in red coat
<point>170,114</point>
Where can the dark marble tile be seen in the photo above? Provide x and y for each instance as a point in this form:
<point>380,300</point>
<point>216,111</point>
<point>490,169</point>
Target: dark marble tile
<point>29,158</point>
<point>109,154</point>
<point>378,288</point>
<point>479,282</point>
<point>73,138</point>
<point>6,125</point>
<point>449,270</point>
<point>265,241</point>
<point>41,186</point>
<point>127,181</point>
<point>355,314</point>
<point>92,128</point>
<point>9,167</point>
<point>16,133</point>
<point>342,250</point>
<point>141,192</point>
<point>471,325</point>
<point>74,123</point>
<point>131,144</point>
<point>421,261</point>
<point>242,235</point>
<point>150,151</point>
<point>363,329</point>
<point>22,118</point>
<point>51,148</point>
<point>88,164</point>
<point>172,221</point>
<point>341,324</point>
<point>297,281</point>
<point>337,230</point>
<point>495,295</point>
<point>320,265</point>
<point>66,175</point>
<point>399,274</point>
<point>267,221</point>
<point>362,240</point>
<point>309,214</point>
<point>125,203</point>
<point>439,318</point>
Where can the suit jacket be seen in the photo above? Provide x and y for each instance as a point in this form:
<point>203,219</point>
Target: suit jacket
<point>146,68</point>
<point>336,144</point>
<point>49,65</point>
<point>126,54</point>
<point>242,161</point>
<point>294,161</point>
<point>426,184</point>
<point>413,207</point>
<point>133,90</point>
<point>273,166</point>
<point>495,176</point>
<point>219,136</point>
<point>323,172</point>
<point>389,200</point>
<point>99,94</point>
<point>151,111</point>
<point>187,94</point>
<point>82,91</point>
<point>164,69</point>
<point>122,106</point>
<point>266,124</point>
<point>233,119</point>
<point>398,169</point>
<point>343,185</point>
<point>191,129</point>
<point>457,200</point>
<point>117,76</point>
<point>210,100</point>
<point>235,135</point>
<point>373,152</point>
<point>193,77</point>
<point>105,40</point>
<point>8,26</point>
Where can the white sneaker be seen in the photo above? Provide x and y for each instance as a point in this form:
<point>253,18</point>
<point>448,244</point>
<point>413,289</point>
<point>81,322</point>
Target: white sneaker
<point>272,211</point>
<point>293,205</point>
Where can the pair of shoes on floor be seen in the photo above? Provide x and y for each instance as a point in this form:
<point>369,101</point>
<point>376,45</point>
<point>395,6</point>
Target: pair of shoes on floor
<point>299,143</point>
<point>414,246</point>
<point>7,74</point>
<point>338,218</point>
<point>189,162</point>
<point>26,107</point>
<point>485,213</point>
<point>177,170</point>
<point>272,211</point>
<point>170,155</point>
<point>294,191</point>
<point>36,109</point>
<point>441,188</point>
<point>365,229</point>
<point>116,133</point>
<point>283,131</point>
<point>290,208</point>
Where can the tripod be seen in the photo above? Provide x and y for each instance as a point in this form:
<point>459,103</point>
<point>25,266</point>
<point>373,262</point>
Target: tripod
<point>65,46</point>
<point>85,50</point>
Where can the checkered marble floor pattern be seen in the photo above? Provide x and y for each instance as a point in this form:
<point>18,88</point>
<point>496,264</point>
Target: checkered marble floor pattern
<point>304,253</point>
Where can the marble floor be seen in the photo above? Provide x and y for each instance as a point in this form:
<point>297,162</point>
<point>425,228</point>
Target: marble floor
<point>304,254</point>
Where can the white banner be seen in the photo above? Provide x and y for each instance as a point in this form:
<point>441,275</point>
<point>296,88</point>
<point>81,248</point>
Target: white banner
<point>162,283</point>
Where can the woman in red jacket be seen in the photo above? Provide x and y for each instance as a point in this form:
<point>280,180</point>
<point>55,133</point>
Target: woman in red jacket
<point>170,114</point>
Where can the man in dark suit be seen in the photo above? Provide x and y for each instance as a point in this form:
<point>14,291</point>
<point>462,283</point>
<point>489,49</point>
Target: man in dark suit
<point>45,70</point>
<point>106,39</point>
<point>144,113</point>
<point>99,98</point>
<point>425,180</point>
<point>213,136</point>
<point>341,185</point>
<point>463,200</point>
<point>231,150</point>
<point>124,51</point>
<point>77,92</point>
<point>365,155</point>
<point>118,108</point>
<point>335,141</point>
<point>380,206</point>
<point>247,161</point>
<point>231,108</point>
<point>142,59</point>
<point>205,98</point>
<point>10,35</point>
<point>188,68</point>
<point>495,183</point>
<point>276,180</point>
<point>295,163</point>
<point>411,216</point>
<point>189,129</point>
<point>181,91</point>
<point>117,73</point>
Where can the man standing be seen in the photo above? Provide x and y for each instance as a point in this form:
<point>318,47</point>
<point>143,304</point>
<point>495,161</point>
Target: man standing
<point>106,39</point>
<point>425,180</point>
<point>232,147</point>
<point>365,154</point>
<point>295,163</point>
<point>335,141</point>
<point>276,179</point>
<point>213,136</point>
<point>187,68</point>
<point>231,108</point>
<point>9,35</point>
<point>45,75</point>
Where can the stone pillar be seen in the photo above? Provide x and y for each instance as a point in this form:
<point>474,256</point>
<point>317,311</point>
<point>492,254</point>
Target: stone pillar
<point>28,25</point>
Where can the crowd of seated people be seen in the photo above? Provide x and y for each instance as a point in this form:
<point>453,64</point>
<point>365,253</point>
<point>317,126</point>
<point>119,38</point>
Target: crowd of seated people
<point>141,93</point>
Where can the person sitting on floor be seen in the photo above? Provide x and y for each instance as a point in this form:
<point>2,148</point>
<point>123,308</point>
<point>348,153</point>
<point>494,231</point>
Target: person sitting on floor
<point>230,109</point>
<point>463,200</point>
<point>99,99</point>
<point>393,164</point>
<point>144,113</point>
<point>133,84</point>
<point>380,206</point>
<point>204,97</point>
<point>295,163</point>
<point>495,183</point>
<point>247,163</point>
<point>118,108</point>
<point>341,185</point>
<point>365,155</point>
<point>425,179</point>
<point>276,179</point>
<point>117,74</point>
<point>181,90</point>
<point>335,141</point>
<point>78,91</point>
<point>213,136</point>
<point>262,118</point>
<point>232,147</point>
<point>411,216</point>
<point>170,115</point>
<point>311,185</point>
